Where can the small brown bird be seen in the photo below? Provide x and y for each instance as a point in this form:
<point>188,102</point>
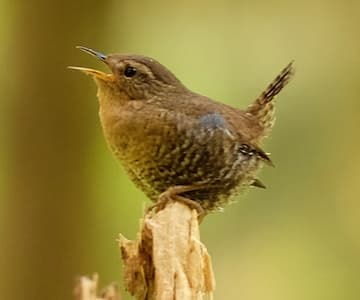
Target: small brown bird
<point>174,143</point>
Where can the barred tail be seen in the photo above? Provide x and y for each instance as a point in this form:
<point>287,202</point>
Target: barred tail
<point>263,108</point>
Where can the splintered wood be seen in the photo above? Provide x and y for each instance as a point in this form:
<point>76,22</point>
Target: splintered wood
<point>86,289</point>
<point>168,261</point>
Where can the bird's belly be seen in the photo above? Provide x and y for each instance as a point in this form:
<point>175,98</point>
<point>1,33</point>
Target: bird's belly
<point>156,164</point>
<point>159,157</point>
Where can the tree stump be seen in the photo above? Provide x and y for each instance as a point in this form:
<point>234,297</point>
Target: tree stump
<point>168,260</point>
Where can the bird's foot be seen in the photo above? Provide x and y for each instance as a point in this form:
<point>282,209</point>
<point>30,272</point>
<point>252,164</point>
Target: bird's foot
<point>172,194</point>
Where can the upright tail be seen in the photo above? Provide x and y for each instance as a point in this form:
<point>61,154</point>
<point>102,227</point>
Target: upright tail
<point>263,109</point>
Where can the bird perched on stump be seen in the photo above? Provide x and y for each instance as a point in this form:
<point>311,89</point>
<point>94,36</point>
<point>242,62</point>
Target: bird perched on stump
<point>177,144</point>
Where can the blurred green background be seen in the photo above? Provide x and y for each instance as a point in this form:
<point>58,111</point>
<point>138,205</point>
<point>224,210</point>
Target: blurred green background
<point>64,198</point>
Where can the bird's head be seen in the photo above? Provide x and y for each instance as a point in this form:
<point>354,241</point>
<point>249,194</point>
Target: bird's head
<point>132,77</point>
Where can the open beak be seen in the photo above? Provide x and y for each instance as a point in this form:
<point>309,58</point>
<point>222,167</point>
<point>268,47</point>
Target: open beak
<point>92,52</point>
<point>92,72</point>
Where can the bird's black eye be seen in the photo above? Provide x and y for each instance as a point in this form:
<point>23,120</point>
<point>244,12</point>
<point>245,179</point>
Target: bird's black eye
<point>130,71</point>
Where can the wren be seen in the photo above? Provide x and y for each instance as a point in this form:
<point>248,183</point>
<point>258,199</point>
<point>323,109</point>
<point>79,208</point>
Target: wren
<point>177,144</point>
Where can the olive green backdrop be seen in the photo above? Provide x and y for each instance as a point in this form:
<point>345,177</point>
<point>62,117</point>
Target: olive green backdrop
<point>64,198</point>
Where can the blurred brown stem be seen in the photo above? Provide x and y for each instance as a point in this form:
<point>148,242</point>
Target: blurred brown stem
<point>168,261</point>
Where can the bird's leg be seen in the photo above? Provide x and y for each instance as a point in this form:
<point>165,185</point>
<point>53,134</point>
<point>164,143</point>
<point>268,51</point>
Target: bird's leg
<point>172,194</point>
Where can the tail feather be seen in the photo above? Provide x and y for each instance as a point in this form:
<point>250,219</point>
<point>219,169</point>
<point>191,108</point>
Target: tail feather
<point>263,109</point>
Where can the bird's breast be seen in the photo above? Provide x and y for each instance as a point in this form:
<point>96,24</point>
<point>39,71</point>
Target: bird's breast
<point>161,149</point>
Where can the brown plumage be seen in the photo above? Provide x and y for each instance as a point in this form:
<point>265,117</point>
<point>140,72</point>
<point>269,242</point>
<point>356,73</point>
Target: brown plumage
<point>175,143</point>
<point>263,109</point>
